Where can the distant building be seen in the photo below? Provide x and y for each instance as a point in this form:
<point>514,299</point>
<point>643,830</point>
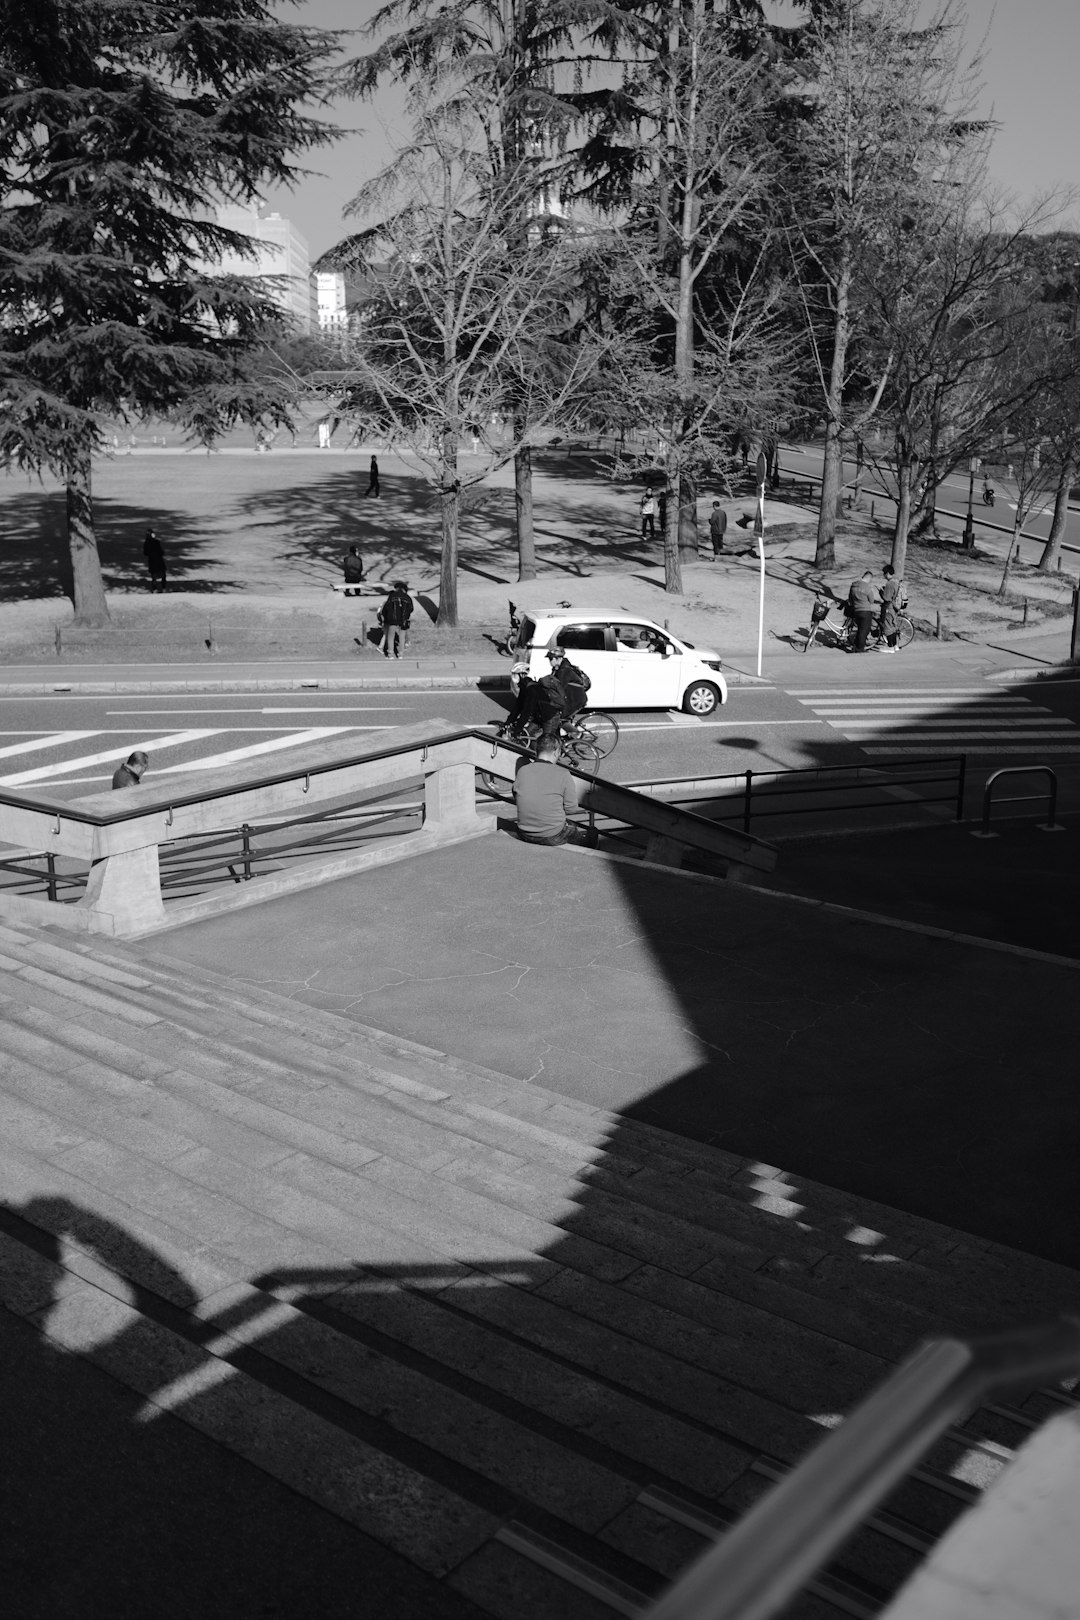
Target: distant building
<point>338,292</point>
<point>282,252</point>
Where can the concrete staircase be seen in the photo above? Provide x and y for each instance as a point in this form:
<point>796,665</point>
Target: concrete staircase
<point>540,1352</point>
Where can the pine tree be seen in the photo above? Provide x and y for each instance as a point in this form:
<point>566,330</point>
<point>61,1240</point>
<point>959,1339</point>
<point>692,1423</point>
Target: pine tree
<point>122,122</point>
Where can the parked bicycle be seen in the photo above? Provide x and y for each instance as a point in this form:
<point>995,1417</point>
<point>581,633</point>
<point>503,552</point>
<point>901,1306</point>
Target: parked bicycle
<point>583,742</point>
<point>830,625</point>
<point>508,644</point>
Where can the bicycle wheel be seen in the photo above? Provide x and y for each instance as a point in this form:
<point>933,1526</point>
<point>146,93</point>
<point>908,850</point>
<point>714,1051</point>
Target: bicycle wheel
<point>599,732</point>
<point>905,632</point>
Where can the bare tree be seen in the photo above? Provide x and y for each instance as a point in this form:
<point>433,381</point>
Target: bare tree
<point>878,97</point>
<point>465,321</point>
<point>706,323</point>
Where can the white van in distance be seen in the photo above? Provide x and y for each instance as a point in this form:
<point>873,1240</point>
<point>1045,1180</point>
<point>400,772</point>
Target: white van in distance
<point>631,662</point>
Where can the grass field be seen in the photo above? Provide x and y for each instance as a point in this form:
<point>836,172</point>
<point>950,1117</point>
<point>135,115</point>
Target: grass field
<point>254,541</point>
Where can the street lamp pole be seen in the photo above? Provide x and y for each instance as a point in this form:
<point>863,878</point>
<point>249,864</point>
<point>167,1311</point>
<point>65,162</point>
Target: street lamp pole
<point>969,527</point>
<point>761,471</point>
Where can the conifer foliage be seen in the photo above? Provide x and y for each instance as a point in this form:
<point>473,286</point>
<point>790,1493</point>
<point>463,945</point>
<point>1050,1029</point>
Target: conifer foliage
<point>122,123</point>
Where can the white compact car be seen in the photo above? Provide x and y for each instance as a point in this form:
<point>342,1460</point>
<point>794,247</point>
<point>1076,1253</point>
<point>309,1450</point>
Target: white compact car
<point>631,662</point>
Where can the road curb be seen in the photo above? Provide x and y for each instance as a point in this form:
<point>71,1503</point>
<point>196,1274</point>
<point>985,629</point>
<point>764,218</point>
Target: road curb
<point>423,683</point>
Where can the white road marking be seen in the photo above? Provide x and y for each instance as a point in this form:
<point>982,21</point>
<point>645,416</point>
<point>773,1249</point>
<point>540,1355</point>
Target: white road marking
<point>172,740</point>
<point>962,719</point>
<point>213,762</point>
<point>1067,748</point>
<point>354,708</point>
<point>36,741</point>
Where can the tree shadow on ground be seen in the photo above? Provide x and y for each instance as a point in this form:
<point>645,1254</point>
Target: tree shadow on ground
<point>36,560</point>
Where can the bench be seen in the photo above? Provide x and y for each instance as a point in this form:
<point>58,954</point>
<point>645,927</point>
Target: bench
<point>358,588</point>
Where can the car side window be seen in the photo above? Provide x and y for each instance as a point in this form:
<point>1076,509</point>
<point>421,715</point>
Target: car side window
<point>582,638</point>
<point>641,638</point>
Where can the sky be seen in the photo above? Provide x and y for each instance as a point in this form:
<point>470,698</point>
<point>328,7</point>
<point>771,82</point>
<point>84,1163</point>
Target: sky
<point>1031,57</point>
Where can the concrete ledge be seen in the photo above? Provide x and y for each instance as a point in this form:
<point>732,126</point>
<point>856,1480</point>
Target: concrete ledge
<point>303,877</point>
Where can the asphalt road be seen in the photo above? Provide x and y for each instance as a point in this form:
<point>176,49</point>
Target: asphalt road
<point>993,525</point>
<point>68,745</point>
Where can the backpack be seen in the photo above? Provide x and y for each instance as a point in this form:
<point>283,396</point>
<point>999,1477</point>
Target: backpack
<point>572,676</point>
<point>901,597</point>
<point>397,609</point>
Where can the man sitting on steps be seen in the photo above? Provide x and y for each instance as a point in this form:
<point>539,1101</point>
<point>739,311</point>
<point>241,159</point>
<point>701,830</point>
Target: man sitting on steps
<point>545,797</point>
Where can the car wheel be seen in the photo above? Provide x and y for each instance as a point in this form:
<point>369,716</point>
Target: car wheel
<point>701,698</point>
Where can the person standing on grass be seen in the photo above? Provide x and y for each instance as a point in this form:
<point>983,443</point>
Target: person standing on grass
<point>352,568</point>
<point>395,616</point>
<point>155,560</point>
<point>648,514</point>
<point>717,527</point>
<point>131,772</point>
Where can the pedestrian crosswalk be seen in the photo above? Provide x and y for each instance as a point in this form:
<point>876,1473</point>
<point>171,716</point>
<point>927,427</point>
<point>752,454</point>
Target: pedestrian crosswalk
<point>942,720</point>
<point>172,752</point>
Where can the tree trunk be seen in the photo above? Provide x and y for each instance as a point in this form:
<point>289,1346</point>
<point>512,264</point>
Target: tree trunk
<point>687,539</point>
<point>450,495</point>
<point>672,559</point>
<point>91,608</point>
<point>832,472</point>
<point>1014,548</point>
<point>903,517</point>
<point>523,506</point>
<point>1051,554</point>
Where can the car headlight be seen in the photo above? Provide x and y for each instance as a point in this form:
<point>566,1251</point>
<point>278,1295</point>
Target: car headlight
<point>711,663</point>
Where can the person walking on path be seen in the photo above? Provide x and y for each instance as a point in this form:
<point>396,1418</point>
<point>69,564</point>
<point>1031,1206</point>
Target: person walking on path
<point>545,798</point>
<point>373,479</point>
<point>889,623</point>
<point>395,616</point>
<point>131,772</point>
<point>863,603</point>
<point>717,528</point>
<point>155,560</point>
<point>648,514</point>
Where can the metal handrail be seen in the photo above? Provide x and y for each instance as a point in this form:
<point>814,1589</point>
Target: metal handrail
<point>149,802</point>
<point>765,1559</point>
<point>745,785</point>
<point>1021,798</point>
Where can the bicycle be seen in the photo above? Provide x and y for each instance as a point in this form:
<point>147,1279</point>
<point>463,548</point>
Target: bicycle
<point>584,741</point>
<point>828,619</point>
<point>508,645</point>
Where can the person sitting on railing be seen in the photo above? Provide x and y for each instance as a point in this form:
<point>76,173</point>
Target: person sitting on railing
<point>545,798</point>
<point>131,772</point>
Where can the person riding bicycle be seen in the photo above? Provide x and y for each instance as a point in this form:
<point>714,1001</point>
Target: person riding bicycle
<point>573,682</point>
<point>540,706</point>
<point>987,492</point>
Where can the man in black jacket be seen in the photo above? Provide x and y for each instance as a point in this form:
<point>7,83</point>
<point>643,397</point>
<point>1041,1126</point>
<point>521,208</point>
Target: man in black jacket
<point>395,617</point>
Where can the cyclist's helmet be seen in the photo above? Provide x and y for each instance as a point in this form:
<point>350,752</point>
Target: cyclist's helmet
<point>556,654</point>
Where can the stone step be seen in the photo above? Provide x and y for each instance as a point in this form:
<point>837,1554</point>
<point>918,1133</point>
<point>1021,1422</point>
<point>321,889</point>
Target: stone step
<point>856,1222</point>
<point>639,1236</point>
<point>470,1465</point>
<point>493,1314</point>
<point>923,1243</point>
<point>257,1134</point>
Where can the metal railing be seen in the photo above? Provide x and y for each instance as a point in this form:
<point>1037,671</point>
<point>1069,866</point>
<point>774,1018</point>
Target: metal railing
<point>757,794</point>
<point>1021,798</point>
<point>765,1559</point>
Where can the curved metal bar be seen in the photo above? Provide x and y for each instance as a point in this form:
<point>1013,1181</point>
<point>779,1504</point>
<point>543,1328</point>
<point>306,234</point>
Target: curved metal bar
<point>1019,770</point>
<point>770,1554</point>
